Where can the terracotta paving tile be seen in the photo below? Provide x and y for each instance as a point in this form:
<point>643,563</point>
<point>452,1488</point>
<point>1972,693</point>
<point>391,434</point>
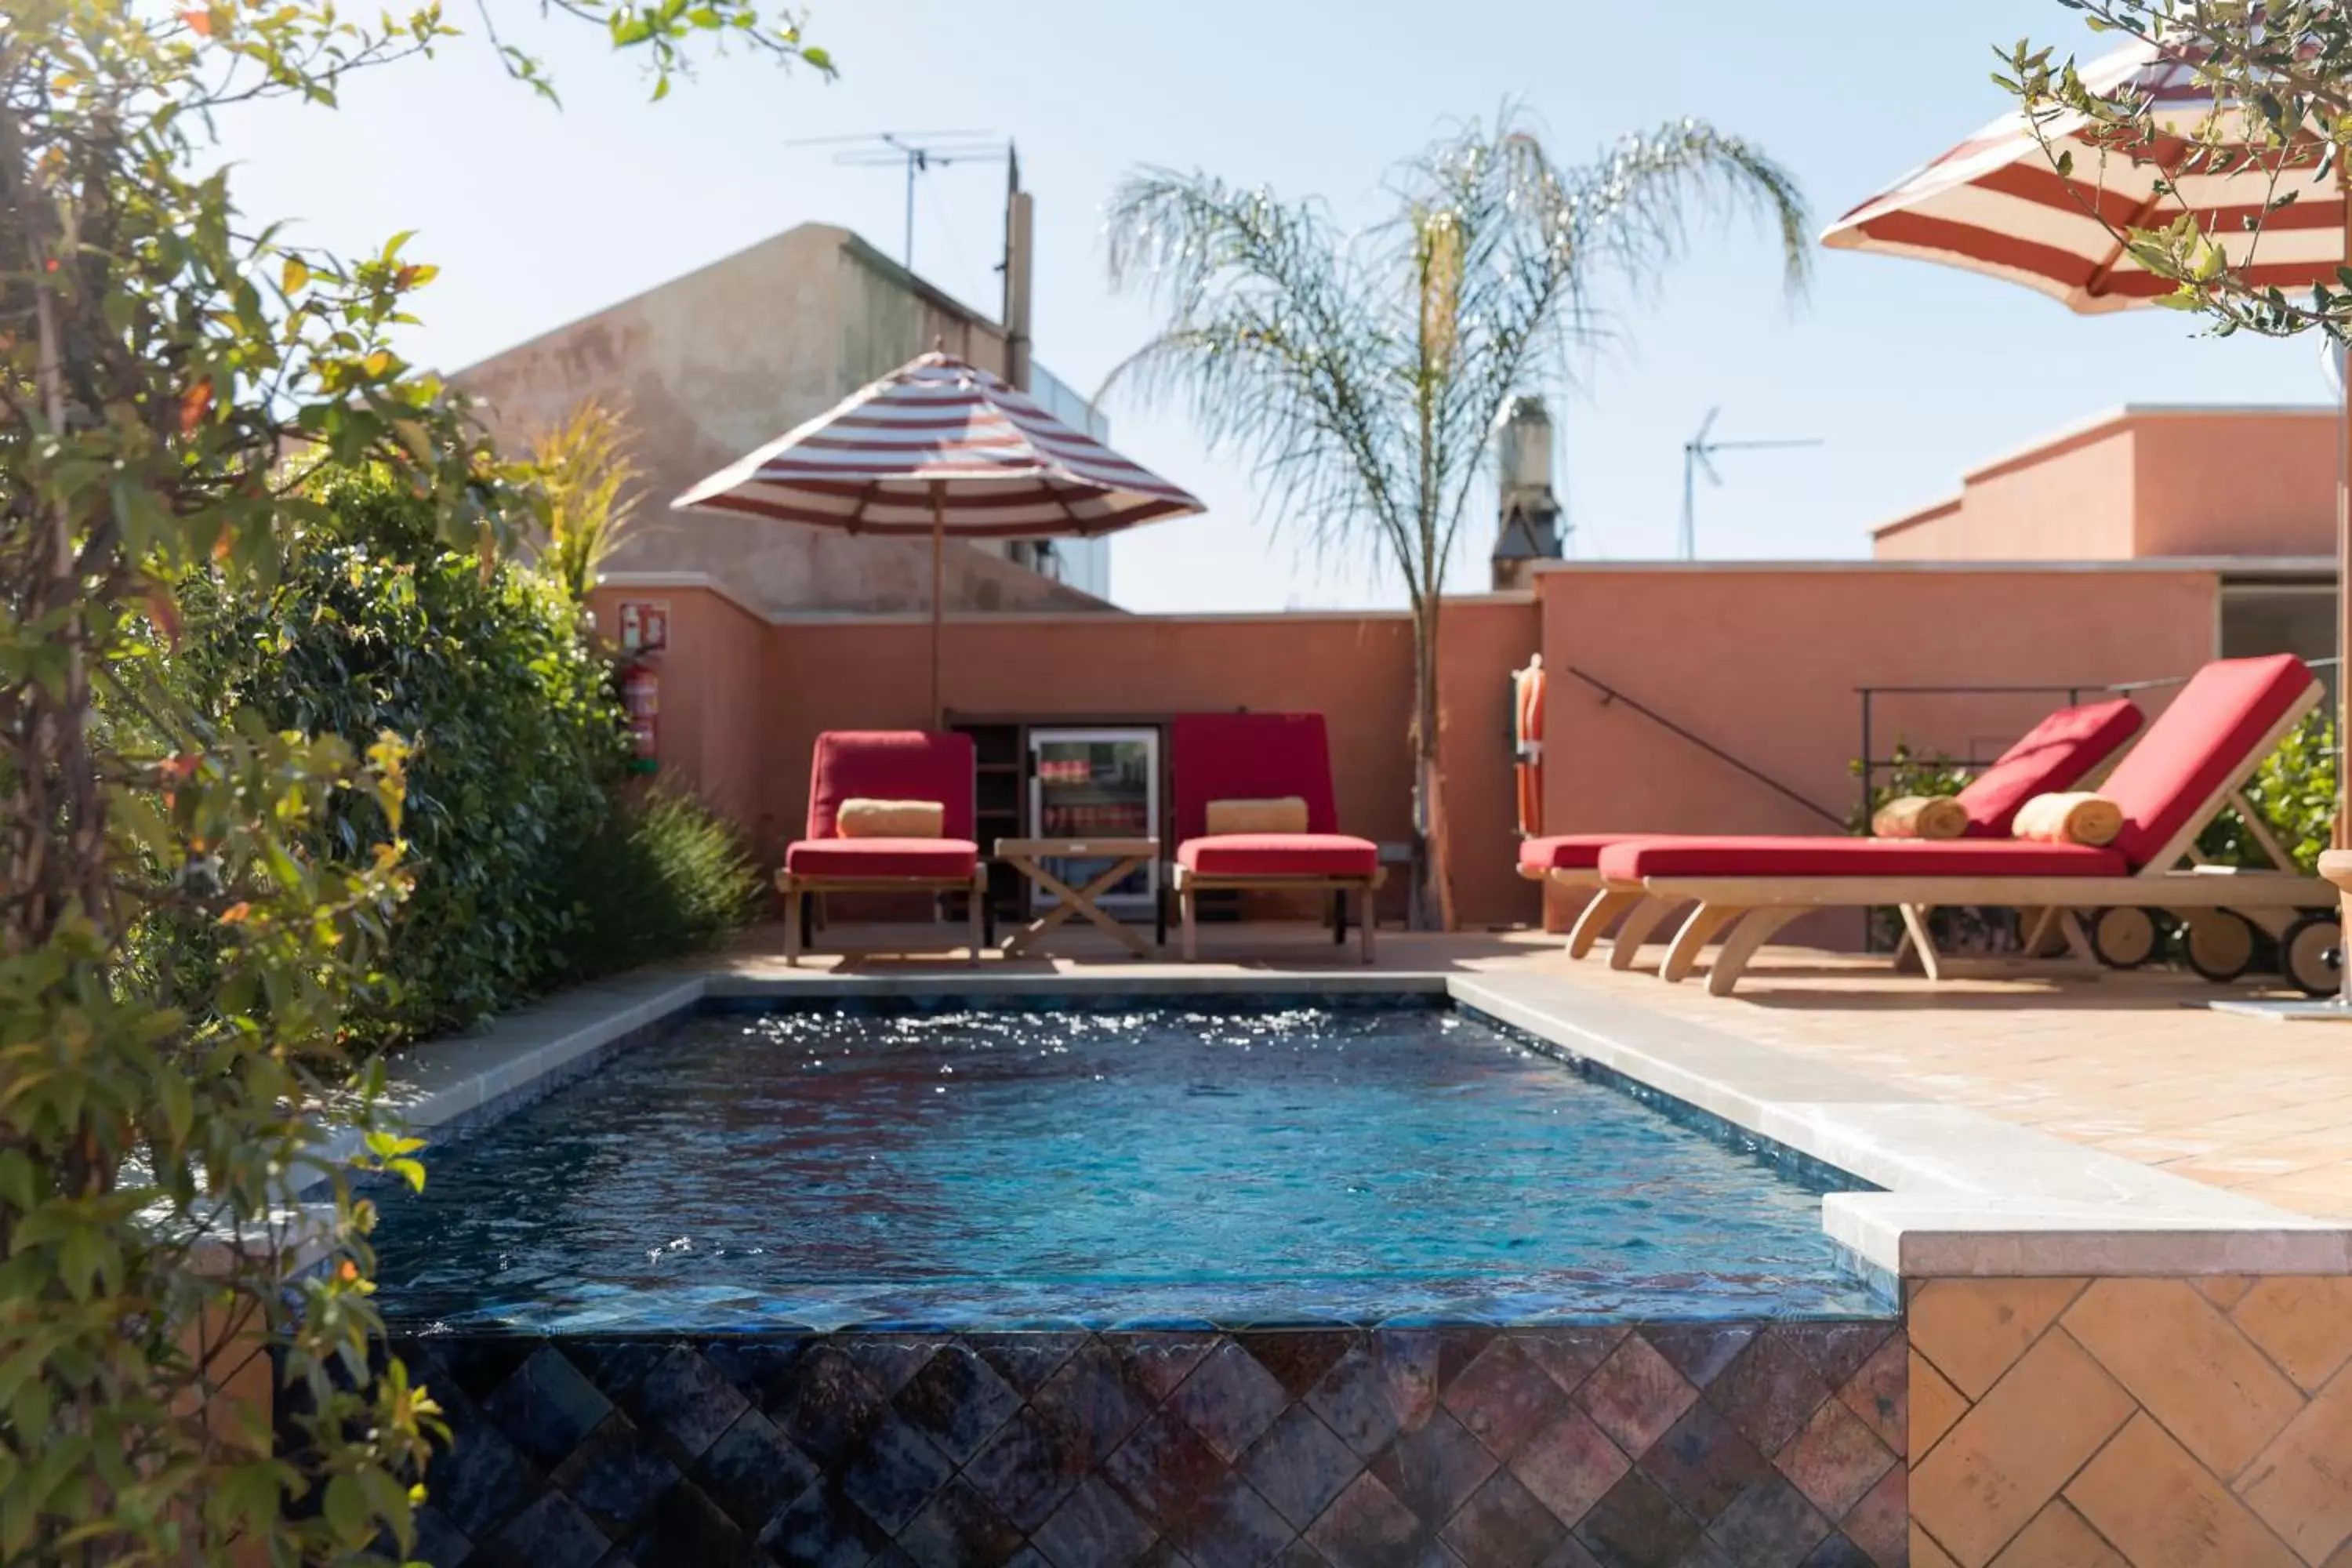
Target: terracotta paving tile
<point>1936,1405</point>
<point>2145,1493</point>
<point>2304,1324</point>
<point>2301,1485</point>
<point>2224,1290</point>
<point>2058,1538</point>
<point>1974,1330</point>
<point>2009,1455</point>
<point>1924,1552</point>
<point>2187,1365</point>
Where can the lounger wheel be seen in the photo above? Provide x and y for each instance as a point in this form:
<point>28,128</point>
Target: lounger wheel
<point>2219,945</point>
<point>2123,937</point>
<point>2311,954</point>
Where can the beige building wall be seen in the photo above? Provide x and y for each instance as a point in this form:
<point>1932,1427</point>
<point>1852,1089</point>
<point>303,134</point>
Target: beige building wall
<point>711,365</point>
<point>2143,483</point>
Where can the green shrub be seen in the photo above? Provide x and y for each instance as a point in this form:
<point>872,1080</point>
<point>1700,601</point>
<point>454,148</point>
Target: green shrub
<point>1927,774</point>
<point>666,876</point>
<point>376,627</point>
<point>2295,791</point>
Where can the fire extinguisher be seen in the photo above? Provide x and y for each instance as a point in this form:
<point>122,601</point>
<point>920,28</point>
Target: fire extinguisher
<point>641,698</point>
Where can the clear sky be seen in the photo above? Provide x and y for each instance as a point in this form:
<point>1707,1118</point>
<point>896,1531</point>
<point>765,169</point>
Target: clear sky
<point>1911,374</point>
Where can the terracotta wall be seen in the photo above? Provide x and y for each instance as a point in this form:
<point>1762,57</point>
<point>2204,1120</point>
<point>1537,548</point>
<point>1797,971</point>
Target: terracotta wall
<point>1760,660</point>
<point>2069,501</point>
<point>1763,662</point>
<point>743,701</point>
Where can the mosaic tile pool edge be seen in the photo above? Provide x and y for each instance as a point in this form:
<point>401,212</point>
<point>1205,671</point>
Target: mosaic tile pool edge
<point>1705,1443</point>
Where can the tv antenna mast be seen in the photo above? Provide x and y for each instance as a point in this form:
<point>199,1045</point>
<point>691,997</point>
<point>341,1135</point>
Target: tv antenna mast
<point>920,151</point>
<point>1698,453</point>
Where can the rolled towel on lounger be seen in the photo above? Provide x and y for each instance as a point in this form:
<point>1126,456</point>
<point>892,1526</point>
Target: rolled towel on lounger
<point>858,819</point>
<point>1921,817</point>
<point>1286,815</point>
<point>2070,820</point>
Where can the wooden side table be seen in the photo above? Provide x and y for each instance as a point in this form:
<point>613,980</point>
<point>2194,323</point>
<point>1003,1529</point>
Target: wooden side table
<point>1028,857</point>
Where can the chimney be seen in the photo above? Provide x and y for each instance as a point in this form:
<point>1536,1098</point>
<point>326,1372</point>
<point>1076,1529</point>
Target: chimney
<point>1016,277</point>
<point>1527,528</point>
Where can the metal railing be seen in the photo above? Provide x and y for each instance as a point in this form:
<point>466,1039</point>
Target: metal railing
<point>1610,694</point>
<point>1870,766</point>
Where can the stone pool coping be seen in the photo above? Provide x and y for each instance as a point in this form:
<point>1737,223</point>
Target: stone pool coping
<point>1963,1193</point>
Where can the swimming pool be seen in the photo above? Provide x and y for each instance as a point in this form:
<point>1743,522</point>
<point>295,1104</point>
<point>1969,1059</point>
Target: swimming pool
<point>1300,1280</point>
<point>995,1168</point>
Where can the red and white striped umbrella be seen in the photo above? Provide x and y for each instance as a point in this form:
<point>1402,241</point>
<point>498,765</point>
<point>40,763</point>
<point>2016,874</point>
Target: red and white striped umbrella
<point>942,448</point>
<point>939,430</point>
<point>1996,204</point>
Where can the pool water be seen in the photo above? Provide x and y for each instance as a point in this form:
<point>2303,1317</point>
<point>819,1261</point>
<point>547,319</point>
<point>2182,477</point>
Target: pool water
<point>1003,1168</point>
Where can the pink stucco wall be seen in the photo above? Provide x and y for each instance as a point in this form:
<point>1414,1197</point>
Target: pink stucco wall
<point>1761,661</point>
<point>2143,483</point>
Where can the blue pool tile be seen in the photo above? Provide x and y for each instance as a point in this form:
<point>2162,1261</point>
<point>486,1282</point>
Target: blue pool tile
<point>546,1407</point>
<point>684,1402</point>
<point>1503,1525</point>
<point>1163,1466</point>
<point>1297,1357</point>
<point>1229,1400</point>
<point>752,1471</point>
<point>687,1526</point>
<point>1769,1525</point>
<point>828,1405</point>
<point>1230,1527</point>
<point>1836,1351</point>
<point>481,1481</point>
<point>822,1529</point>
<point>1368,1525</point>
<point>888,1361</point>
<point>614,1363</point>
<point>1837,1551</point>
<point>616,1475</point>
<point>1637,1526</point>
<point>552,1533</point>
<point>1299,1465</point>
<point>1700,1352</point>
<point>1027,1468</point>
<point>1433,1468</point>
<point>1385,1381</point>
<point>1157,1361</point>
<point>1094,1528</point>
<point>764,1370</point>
<point>1090,1397</point>
<point>1769,1392</point>
<point>440,1540</point>
<point>893,1470</point>
<point>1026,1359</point>
<point>1504,1397</point>
<point>1702,1463</point>
<point>1571,1352</point>
<point>957,1400</point>
<point>958,1529</point>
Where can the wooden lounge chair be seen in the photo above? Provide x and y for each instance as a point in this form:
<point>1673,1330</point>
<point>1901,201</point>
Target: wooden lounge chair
<point>896,765</point>
<point>1263,756</point>
<point>2193,761</point>
<point>2055,754</point>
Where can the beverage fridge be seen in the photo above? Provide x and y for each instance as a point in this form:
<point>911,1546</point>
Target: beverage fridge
<point>1096,783</point>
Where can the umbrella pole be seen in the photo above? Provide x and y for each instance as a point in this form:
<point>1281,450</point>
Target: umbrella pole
<point>938,591</point>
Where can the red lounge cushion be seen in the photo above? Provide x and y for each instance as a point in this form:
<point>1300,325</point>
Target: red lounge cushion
<point>2205,739</point>
<point>1248,756</point>
<point>1279,854</point>
<point>930,859</point>
<point>2050,757</point>
<point>891,764</point>
<point>1569,851</point>
<point>1826,857</point>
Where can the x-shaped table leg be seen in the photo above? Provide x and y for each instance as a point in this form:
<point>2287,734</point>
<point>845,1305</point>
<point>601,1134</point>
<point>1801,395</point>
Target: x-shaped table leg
<point>1074,902</point>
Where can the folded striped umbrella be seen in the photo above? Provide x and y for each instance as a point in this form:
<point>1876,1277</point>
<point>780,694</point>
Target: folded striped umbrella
<point>942,447</point>
<point>1996,204</point>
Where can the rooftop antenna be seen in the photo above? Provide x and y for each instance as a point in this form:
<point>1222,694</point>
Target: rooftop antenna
<point>920,151</point>
<point>1698,453</point>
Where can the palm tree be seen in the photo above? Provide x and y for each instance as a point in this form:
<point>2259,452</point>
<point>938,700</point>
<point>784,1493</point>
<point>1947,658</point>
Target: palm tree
<point>1364,375</point>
